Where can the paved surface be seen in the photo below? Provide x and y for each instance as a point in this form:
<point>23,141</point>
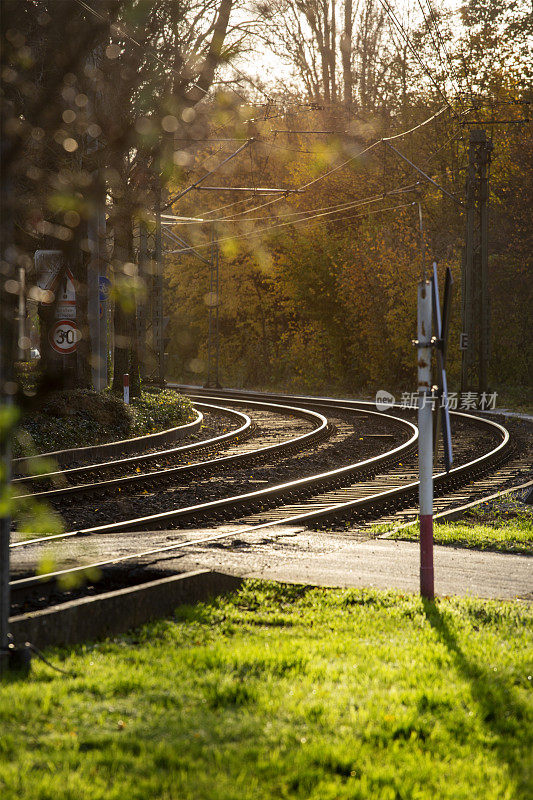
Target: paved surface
<point>327,559</point>
<point>296,555</point>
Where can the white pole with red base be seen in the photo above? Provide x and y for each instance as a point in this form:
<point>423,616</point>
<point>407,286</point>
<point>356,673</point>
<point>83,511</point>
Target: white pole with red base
<point>126,387</point>
<point>425,438</point>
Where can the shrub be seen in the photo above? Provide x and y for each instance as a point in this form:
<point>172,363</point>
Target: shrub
<point>81,417</point>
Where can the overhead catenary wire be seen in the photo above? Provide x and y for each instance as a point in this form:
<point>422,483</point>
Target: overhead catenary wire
<point>424,174</point>
<point>313,211</point>
<point>443,43</point>
<point>403,33</point>
<point>269,228</point>
<point>438,49</point>
<point>338,166</point>
<point>174,219</point>
<point>349,160</point>
<point>445,68</point>
<point>211,172</point>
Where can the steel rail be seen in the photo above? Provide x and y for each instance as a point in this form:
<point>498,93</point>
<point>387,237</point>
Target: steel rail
<point>271,492</point>
<point>118,446</point>
<point>152,456</point>
<point>286,446</point>
<point>441,480</point>
<point>304,438</point>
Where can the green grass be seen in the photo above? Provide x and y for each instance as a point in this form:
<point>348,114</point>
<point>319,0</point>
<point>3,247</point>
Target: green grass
<point>284,692</point>
<point>503,536</point>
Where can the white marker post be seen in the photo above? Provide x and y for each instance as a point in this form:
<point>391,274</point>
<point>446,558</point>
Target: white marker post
<point>126,388</point>
<point>425,438</point>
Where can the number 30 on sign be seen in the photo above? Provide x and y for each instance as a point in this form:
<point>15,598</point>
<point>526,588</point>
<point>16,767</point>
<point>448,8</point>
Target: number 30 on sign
<point>64,336</point>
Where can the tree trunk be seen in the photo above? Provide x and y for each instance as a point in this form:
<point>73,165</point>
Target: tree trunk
<point>346,48</point>
<point>333,52</point>
<point>124,318</point>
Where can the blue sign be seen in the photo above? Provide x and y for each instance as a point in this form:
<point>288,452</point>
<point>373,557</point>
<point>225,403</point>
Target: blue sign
<point>104,285</point>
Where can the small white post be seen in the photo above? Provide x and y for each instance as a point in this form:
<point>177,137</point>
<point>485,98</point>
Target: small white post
<point>126,388</point>
<point>425,440</point>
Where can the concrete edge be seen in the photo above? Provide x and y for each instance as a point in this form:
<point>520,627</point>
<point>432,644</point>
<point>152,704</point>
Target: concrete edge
<point>116,612</point>
<point>117,447</point>
<point>456,513</point>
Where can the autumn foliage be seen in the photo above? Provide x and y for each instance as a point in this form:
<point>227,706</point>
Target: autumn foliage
<point>315,300</point>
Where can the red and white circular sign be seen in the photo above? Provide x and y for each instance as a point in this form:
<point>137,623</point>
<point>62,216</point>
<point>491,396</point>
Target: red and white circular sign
<point>64,336</point>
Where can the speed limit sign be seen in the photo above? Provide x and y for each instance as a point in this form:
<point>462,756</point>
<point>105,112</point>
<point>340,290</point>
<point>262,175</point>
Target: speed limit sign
<point>64,336</point>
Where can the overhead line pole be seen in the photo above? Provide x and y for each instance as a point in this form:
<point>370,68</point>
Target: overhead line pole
<point>158,299</point>
<point>468,271</point>
<point>484,338</point>
<point>475,277</point>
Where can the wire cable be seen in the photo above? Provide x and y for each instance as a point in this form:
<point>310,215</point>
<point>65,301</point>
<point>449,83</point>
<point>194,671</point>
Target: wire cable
<point>170,219</point>
<point>443,44</point>
<point>349,160</point>
<point>291,222</point>
<point>400,28</point>
<point>304,186</point>
<point>41,655</point>
<point>437,49</point>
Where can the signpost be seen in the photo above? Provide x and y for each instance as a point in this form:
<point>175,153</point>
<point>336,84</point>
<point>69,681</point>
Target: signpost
<point>48,265</point>
<point>442,327</point>
<point>66,298</point>
<point>425,439</point>
<point>104,287</point>
<point>57,282</point>
<point>429,311</point>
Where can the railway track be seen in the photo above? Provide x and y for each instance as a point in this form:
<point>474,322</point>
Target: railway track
<point>243,455</point>
<point>246,450</point>
<point>26,465</point>
<point>366,489</point>
<point>146,457</point>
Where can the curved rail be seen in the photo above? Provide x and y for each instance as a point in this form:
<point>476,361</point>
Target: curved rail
<point>287,445</point>
<point>442,481</point>
<point>199,467</point>
<point>270,493</point>
<point>72,472</point>
<point>117,447</point>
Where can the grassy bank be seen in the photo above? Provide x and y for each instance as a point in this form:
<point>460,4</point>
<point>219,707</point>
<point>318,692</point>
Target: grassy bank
<point>504,525</point>
<point>82,417</point>
<point>284,692</point>
<point>512,537</point>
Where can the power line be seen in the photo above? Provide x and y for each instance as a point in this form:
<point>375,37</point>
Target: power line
<point>425,175</point>
<point>292,222</point>
<point>344,163</point>
<point>443,43</point>
<point>207,174</point>
<point>335,207</point>
<point>392,16</point>
<point>437,48</point>
<point>228,205</point>
<point>170,218</point>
